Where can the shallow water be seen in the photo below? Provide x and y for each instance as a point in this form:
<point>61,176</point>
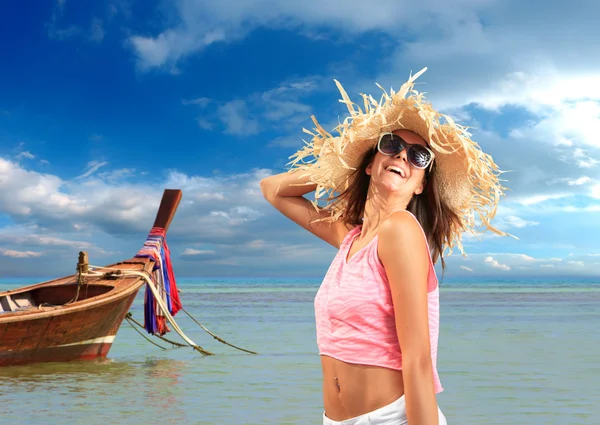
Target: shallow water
<point>509,353</point>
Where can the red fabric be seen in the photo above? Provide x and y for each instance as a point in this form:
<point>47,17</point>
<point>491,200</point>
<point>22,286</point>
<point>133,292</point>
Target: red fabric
<point>175,301</point>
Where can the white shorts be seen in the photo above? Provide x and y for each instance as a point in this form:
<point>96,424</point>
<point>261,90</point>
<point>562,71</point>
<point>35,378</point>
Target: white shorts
<point>392,414</point>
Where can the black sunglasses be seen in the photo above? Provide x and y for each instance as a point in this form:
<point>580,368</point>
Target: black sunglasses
<point>418,156</point>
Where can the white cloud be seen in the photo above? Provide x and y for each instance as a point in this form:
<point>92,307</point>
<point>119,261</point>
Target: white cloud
<point>573,209</point>
<point>112,175</point>
<point>280,108</point>
<point>537,199</point>
<point>193,252</point>
<point>19,254</point>
<point>201,23</point>
<point>256,244</point>
<point>23,192</point>
<point>573,124</point>
<point>208,196</point>
<point>515,221</point>
<point>105,200</point>
<point>525,257</point>
<point>151,52</point>
<point>202,102</point>
<point>205,124</point>
<point>539,88</point>
<point>237,215</point>
<point>100,214</point>
<point>579,181</point>
<point>236,118</point>
<point>93,166</point>
<point>25,154</point>
<point>33,236</point>
<point>519,264</point>
<point>496,264</point>
<point>171,45</point>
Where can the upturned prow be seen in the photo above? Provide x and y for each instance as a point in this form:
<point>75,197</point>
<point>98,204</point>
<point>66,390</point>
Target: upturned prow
<point>168,207</point>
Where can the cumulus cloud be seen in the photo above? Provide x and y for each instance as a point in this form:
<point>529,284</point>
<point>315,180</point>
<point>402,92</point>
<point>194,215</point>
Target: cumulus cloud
<point>201,24</point>
<point>219,218</point>
<point>496,264</point>
<point>281,108</point>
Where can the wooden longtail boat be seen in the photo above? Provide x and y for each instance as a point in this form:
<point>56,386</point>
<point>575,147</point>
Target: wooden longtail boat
<point>73,317</point>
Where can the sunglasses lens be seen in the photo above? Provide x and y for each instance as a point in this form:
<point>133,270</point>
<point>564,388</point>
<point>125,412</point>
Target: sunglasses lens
<point>418,156</point>
<point>390,144</point>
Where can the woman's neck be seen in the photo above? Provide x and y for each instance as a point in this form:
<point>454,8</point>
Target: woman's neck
<point>377,209</point>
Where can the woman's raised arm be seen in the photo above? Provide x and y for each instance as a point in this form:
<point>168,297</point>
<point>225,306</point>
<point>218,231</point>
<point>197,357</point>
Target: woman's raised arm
<point>285,192</point>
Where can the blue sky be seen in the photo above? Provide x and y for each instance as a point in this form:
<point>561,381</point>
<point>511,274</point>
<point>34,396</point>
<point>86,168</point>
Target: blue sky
<point>106,103</point>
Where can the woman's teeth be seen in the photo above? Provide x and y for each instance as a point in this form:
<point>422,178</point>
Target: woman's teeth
<point>396,170</point>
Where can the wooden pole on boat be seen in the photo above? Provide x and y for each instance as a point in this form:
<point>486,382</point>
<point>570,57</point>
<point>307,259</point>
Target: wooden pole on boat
<point>168,207</point>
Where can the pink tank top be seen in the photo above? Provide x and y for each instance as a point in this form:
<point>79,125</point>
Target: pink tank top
<point>355,315</point>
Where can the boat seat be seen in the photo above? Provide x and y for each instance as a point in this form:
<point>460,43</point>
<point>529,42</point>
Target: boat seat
<point>8,304</point>
<point>22,301</point>
<point>17,302</point>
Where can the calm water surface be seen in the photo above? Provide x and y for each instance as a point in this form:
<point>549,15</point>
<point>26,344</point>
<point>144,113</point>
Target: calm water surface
<point>510,353</point>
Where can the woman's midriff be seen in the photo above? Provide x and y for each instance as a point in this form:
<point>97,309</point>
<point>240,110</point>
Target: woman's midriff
<point>351,390</point>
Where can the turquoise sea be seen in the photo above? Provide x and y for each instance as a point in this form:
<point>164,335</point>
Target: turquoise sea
<point>518,351</point>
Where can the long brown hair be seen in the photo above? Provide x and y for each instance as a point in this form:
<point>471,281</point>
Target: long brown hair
<point>433,214</point>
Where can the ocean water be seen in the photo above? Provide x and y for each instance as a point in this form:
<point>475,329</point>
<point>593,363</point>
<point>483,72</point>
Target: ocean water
<point>511,352</point>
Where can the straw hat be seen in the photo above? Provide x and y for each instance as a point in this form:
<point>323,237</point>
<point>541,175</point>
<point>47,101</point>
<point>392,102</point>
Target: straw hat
<point>467,178</point>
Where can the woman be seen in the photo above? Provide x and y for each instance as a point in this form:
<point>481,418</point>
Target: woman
<point>407,182</point>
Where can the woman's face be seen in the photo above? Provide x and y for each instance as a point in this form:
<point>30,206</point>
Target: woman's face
<point>394,175</point>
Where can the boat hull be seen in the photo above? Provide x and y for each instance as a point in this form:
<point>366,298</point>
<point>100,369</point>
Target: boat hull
<point>72,334</point>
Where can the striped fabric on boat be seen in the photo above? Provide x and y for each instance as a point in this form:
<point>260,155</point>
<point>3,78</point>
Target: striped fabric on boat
<point>157,249</point>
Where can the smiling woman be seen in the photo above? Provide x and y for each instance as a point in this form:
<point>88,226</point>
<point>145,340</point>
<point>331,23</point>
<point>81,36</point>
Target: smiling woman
<point>404,183</point>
